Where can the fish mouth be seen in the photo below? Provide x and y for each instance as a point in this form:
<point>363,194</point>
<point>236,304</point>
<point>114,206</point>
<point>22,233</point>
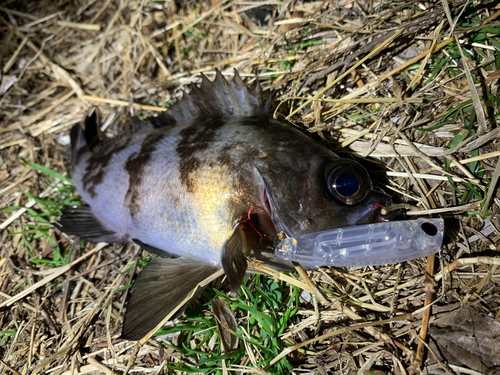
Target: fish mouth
<point>374,215</point>
<point>377,210</point>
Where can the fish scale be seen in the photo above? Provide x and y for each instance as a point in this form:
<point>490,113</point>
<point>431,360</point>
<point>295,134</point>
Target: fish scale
<point>180,184</point>
<point>204,212</point>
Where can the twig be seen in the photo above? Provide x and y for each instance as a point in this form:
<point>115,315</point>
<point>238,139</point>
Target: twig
<point>481,119</point>
<point>336,332</point>
<point>429,295</point>
<point>374,52</point>
<point>56,273</point>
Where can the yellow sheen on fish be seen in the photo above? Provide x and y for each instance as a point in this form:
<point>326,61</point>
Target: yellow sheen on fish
<point>184,185</point>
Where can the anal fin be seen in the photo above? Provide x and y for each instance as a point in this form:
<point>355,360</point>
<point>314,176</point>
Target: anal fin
<point>81,222</point>
<point>161,287</point>
<point>154,250</point>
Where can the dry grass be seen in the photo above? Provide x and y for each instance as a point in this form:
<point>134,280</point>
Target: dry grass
<point>365,77</point>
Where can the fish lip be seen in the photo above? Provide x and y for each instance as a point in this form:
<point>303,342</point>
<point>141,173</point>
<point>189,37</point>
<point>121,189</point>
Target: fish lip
<point>374,213</point>
<point>391,215</point>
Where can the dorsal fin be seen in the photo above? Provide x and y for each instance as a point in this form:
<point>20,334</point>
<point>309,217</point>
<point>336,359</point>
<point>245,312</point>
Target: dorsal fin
<point>217,98</point>
<point>131,126</point>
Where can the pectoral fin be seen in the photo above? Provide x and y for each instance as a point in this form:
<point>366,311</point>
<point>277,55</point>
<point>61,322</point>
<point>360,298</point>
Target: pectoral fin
<point>160,288</point>
<point>233,258</point>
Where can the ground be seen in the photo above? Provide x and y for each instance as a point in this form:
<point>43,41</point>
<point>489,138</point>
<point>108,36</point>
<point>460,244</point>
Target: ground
<point>411,87</point>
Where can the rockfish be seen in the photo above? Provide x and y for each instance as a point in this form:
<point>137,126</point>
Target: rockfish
<point>205,185</point>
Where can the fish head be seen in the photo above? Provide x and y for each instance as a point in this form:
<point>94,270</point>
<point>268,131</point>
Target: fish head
<point>317,191</point>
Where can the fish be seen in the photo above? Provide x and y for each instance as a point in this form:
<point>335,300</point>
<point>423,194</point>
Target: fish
<point>205,185</point>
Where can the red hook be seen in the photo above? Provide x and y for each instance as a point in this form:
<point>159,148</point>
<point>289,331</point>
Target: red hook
<point>247,219</point>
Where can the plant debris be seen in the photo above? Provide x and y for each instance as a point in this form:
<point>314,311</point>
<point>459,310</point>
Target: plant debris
<point>409,88</point>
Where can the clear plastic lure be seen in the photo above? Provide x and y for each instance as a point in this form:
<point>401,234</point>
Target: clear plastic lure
<point>365,245</point>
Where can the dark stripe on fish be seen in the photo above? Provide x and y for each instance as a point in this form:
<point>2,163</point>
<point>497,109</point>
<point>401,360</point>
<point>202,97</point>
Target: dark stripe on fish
<point>195,139</point>
<point>135,165</point>
<point>235,157</point>
<point>96,166</point>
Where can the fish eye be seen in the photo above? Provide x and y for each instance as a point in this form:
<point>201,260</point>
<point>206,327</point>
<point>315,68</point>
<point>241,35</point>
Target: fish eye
<point>347,181</point>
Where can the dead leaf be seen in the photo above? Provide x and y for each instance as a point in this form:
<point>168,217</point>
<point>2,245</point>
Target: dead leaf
<point>290,26</point>
<point>7,82</point>
<point>317,107</point>
<point>467,337</point>
<point>3,175</point>
<point>226,323</point>
<point>493,75</point>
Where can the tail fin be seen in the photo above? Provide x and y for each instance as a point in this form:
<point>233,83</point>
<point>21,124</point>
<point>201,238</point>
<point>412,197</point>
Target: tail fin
<point>80,221</point>
<point>92,124</point>
<point>88,135</point>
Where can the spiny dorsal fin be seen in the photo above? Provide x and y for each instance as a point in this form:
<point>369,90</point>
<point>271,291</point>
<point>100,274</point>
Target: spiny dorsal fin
<point>217,98</point>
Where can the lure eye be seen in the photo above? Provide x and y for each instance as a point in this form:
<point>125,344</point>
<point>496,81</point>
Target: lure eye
<point>347,181</point>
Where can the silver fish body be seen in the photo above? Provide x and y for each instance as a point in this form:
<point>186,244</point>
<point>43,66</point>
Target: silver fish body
<point>179,183</point>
